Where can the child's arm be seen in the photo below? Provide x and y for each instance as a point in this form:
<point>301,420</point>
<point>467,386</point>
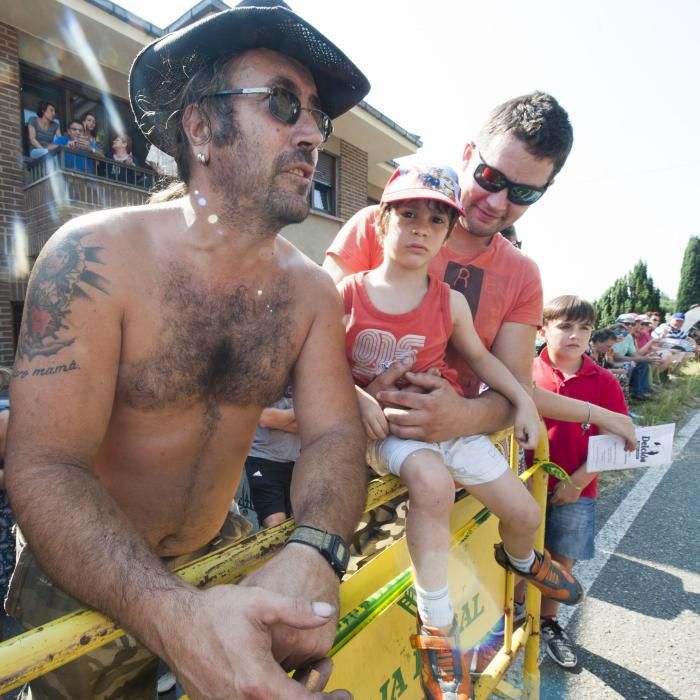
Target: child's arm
<point>551,405</point>
<point>492,371</point>
<point>278,419</point>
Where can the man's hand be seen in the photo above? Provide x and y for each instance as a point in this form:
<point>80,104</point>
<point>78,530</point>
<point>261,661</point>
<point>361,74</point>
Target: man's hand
<point>430,416</point>
<point>228,653</point>
<point>82,143</point>
<point>388,378</point>
<point>301,572</point>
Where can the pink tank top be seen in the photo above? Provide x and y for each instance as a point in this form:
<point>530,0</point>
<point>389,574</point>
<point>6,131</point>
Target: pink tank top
<point>374,339</point>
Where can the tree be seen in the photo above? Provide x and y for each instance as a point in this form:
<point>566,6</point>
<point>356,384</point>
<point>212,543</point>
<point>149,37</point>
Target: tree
<point>689,286</point>
<point>635,291</point>
<point>613,302</point>
<point>643,293</point>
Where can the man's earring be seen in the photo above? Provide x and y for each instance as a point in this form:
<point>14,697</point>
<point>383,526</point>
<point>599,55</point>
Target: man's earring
<point>202,158</point>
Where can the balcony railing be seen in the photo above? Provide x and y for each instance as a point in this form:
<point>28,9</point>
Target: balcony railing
<point>94,166</point>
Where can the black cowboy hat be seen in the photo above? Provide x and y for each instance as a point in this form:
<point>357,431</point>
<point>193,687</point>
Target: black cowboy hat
<point>162,68</point>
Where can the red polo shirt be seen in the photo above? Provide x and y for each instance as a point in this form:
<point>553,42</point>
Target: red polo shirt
<point>568,442</point>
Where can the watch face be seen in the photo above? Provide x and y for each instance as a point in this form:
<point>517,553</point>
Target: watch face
<point>341,552</point>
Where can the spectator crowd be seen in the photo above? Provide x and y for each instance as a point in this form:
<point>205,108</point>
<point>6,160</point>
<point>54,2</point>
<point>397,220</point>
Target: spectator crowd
<point>84,146</point>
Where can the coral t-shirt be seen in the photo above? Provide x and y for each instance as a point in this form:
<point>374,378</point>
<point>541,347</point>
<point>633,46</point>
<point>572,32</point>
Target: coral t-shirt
<point>499,282</point>
<point>374,339</point>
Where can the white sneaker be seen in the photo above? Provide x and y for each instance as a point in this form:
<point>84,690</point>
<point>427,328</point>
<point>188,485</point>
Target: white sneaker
<point>166,683</point>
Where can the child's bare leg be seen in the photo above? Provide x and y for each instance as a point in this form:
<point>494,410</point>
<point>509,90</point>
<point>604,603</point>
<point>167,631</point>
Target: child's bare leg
<point>431,496</point>
<point>520,516</point>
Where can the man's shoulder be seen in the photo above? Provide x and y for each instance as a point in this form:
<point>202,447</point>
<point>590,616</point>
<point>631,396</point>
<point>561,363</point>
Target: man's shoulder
<point>360,226</point>
<point>301,267</point>
<point>508,256</point>
<point>109,226</point>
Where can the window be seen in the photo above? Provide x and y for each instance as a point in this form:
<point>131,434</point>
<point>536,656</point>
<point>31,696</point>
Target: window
<point>323,185</point>
<point>73,100</point>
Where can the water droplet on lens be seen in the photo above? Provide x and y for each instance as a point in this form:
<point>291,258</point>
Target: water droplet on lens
<point>212,218</point>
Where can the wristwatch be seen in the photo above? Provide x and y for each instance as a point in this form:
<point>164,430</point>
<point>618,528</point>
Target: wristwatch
<point>331,547</point>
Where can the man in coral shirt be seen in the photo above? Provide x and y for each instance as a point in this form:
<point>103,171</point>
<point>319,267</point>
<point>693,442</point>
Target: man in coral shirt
<point>515,158</point>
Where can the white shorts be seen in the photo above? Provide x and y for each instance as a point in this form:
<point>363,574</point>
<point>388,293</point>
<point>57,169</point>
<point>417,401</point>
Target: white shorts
<point>470,460</point>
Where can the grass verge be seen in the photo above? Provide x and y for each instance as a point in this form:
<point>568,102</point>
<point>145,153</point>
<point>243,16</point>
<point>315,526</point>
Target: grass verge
<point>674,401</point>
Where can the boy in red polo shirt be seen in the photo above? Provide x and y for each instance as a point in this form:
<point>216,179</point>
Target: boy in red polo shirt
<point>564,368</point>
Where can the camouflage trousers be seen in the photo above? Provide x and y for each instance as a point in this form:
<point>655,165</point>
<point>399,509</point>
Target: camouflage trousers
<point>120,670</point>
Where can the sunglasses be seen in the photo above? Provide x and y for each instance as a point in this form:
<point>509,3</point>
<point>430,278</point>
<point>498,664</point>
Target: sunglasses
<point>285,106</point>
<point>493,180</point>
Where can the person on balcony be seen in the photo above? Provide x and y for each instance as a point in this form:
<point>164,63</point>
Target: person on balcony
<point>42,130</point>
<point>121,153</point>
<point>76,141</point>
<point>89,122</point>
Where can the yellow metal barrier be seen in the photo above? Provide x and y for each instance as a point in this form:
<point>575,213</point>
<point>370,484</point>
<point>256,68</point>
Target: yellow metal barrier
<point>377,609</point>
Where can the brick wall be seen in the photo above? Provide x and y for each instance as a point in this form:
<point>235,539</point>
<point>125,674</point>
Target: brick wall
<point>54,200</point>
<point>352,180</point>
<point>11,178</point>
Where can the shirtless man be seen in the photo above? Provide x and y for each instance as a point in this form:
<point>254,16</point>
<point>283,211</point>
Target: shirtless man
<point>153,337</point>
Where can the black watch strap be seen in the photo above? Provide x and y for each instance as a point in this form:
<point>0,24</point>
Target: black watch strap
<point>332,547</point>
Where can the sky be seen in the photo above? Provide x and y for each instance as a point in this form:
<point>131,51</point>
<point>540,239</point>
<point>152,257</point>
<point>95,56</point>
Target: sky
<point>625,70</point>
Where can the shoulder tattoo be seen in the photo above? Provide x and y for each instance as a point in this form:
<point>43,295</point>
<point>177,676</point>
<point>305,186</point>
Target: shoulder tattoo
<point>57,280</point>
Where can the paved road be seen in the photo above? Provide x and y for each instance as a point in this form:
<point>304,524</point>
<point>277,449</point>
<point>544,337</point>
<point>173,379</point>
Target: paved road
<point>638,631</point>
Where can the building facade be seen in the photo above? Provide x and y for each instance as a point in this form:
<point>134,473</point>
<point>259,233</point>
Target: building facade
<point>76,54</point>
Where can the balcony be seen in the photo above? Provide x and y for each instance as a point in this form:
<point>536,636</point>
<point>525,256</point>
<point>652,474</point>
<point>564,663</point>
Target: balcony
<point>74,162</point>
<point>68,183</point>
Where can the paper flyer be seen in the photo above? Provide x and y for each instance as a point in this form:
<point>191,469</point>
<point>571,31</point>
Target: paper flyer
<point>654,449</point>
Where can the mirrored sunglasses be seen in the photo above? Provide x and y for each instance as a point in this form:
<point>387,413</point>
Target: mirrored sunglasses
<point>493,180</point>
<point>285,106</point>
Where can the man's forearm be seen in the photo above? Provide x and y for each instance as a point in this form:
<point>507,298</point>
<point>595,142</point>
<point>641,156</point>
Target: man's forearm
<point>487,413</point>
<point>329,485</point>
<point>88,547</point>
